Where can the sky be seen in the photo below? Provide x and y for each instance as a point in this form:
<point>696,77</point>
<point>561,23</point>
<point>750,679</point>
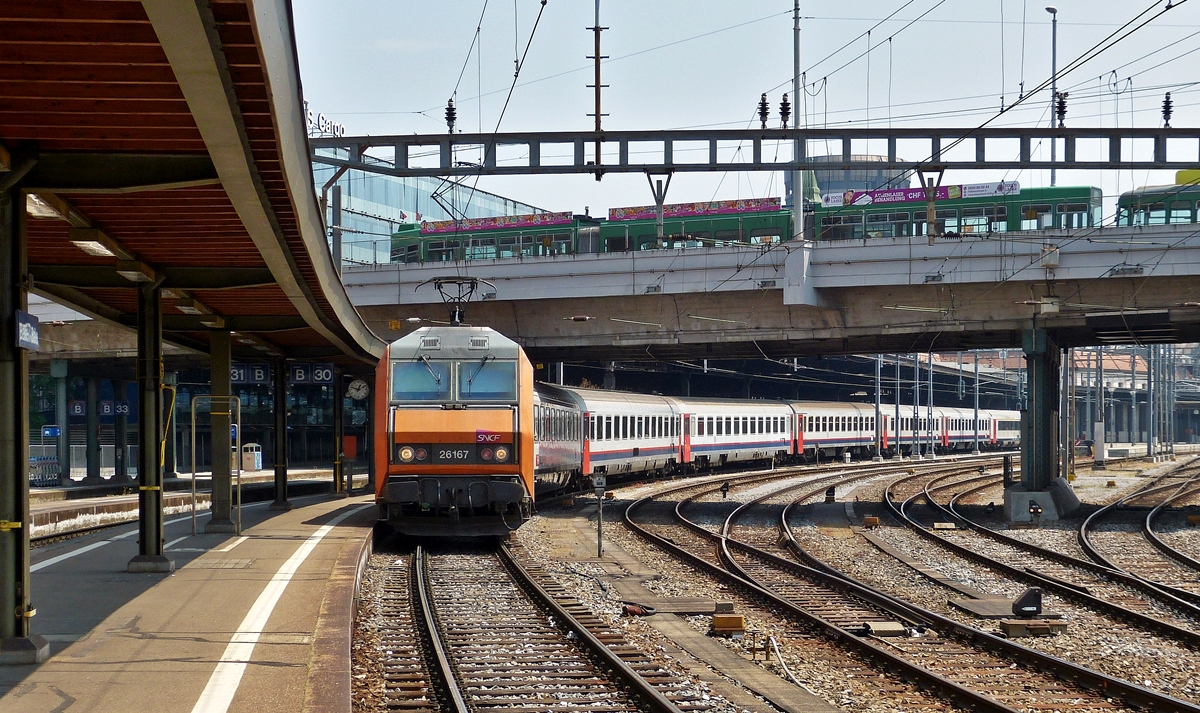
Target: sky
<point>389,66</point>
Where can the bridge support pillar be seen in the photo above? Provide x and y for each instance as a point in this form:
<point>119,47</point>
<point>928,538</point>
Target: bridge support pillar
<point>281,444</point>
<point>17,646</point>
<point>92,449</point>
<point>220,348</point>
<point>1041,495</point>
<point>150,557</point>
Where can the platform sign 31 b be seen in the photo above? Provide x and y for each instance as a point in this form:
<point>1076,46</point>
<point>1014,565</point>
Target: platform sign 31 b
<point>253,373</point>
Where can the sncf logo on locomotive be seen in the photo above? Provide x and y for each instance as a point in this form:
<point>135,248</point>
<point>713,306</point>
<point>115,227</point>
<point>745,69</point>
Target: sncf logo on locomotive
<point>487,437</point>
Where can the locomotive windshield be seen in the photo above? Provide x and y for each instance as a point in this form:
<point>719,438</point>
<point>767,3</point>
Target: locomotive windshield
<point>421,380</point>
<point>487,380</point>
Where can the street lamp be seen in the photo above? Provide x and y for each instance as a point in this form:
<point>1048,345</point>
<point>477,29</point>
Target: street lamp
<point>1053,84</point>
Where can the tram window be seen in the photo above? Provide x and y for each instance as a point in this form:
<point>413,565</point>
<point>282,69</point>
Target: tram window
<point>1181,213</point>
<point>509,247</point>
<point>1036,216</point>
<point>728,236</point>
<point>888,225</point>
<point>618,244</point>
<point>421,381</point>
<point>842,227</point>
<point>560,244</point>
<point>1072,215</point>
<point>1150,214</point>
<point>985,219</point>
<point>480,249</point>
<point>765,235</point>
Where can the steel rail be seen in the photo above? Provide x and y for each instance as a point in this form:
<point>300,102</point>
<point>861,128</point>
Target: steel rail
<point>1148,531</point>
<point>640,687</point>
<point>1169,596</point>
<point>1136,696</point>
<point>445,669</point>
<point>847,639</point>
<point>1073,592</point>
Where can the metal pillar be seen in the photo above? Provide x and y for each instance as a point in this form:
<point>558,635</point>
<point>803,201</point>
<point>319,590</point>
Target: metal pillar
<point>878,407</point>
<point>171,437</point>
<point>916,406</point>
<point>58,370</point>
<point>150,557</point>
<point>120,433</point>
<point>222,472</point>
<point>899,453</point>
<point>932,452</point>
<point>340,488</point>
<point>93,430</point>
<point>1135,433</point>
<point>281,444</point>
<point>1065,439</point>
<point>976,449</point>
<point>1151,404</point>
<point>1100,437</point>
<point>16,644</point>
<point>1053,88</point>
<point>1039,422</point>
<point>336,228</point>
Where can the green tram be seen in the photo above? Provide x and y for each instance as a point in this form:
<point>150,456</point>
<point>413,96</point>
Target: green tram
<point>685,225</point>
<point>758,222</point>
<point>1162,205</point>
<point>1062,207</point>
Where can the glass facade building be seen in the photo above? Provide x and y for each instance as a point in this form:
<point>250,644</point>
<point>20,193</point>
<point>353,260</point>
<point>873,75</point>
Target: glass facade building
<point>374,205</point>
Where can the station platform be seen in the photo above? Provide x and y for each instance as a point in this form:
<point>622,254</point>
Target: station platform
<point>68,508</point>
<point>260,622</point>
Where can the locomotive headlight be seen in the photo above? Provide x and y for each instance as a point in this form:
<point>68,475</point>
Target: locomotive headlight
<point>501,454</point>
<point>486,454</point>
<point>407,453</point>
<point>422,454</point>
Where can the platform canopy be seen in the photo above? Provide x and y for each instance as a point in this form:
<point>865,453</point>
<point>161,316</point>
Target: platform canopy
<point>166,140</point>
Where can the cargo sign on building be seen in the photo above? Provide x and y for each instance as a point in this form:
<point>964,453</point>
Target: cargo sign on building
<point>906,195</point>
<point>682,210</point>
<point>534,220</point>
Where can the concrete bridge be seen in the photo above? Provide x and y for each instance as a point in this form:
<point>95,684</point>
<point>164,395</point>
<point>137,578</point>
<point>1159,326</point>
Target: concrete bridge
<point>1094,286</point>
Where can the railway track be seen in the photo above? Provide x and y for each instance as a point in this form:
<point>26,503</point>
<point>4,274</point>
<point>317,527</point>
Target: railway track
<point>1120,537</point>
<point>1000,669</point>
<point>968,666</point>
<point>1102,589</point>
<point>504,639</point>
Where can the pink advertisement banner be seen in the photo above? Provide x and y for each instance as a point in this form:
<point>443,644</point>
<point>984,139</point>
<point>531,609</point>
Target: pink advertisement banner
<point>905,195</point>
<point>681,210</point>
<point>535,220</point>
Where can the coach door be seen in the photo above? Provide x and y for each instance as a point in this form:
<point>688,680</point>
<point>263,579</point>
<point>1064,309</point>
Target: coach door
<point>798,439</point>
<point>588,430</point>
<point>945,432</point>
<point>686,450</point>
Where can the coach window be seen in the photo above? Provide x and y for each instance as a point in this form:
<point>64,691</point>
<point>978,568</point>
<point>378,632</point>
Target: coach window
<point>607,436</point>
<point>710,426</point>
<point>745,424</point>
<point>810,424</point>
<point>737,426</point>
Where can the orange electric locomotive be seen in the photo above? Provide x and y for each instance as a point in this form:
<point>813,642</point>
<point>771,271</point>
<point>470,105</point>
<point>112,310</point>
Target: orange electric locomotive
<point>454,430</point>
